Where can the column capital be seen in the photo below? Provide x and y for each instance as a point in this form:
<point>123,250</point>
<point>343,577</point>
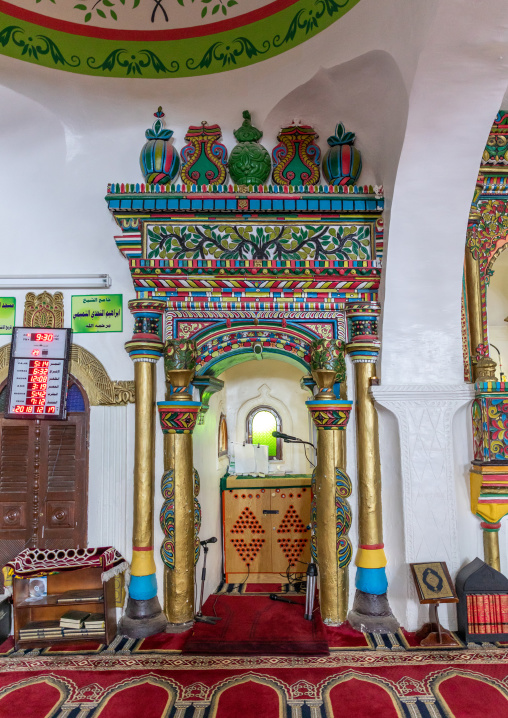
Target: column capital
<point>146,343</point>
<point>365,351</point>
<point>178,417</point>
<point>330,413</point>
<point>362,319</point>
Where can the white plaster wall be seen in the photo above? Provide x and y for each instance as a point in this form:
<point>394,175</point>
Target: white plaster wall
<point>274,383</point>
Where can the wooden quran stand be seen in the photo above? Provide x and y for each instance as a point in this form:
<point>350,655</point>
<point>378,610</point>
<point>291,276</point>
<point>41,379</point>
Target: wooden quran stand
<point>433,634</point>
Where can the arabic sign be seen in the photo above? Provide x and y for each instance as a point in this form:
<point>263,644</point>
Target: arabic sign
<point>97,313</point>
<point>7,314</point>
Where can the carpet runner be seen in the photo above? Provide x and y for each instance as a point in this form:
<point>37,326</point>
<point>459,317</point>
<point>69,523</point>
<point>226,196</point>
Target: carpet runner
<point>345,684</point>
<point>257,625</point>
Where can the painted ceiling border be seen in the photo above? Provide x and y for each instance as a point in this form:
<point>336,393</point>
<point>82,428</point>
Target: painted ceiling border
<point>208,54</point>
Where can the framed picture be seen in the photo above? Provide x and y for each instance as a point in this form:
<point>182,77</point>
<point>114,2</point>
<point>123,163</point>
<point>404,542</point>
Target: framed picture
<point>433,583</point>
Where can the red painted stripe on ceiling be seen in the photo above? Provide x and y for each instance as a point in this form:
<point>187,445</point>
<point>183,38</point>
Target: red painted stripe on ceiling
<point>181,33</point>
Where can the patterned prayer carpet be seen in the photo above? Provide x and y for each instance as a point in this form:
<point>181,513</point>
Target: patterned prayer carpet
<point>364,677</point>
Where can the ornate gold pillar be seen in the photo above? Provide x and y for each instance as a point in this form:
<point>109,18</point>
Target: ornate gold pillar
<point>180,514</point>
<point>371,610</point>
<point>331,513</point>
<point>489,469</point>
<point>143,615</point>
<point>474,308</point>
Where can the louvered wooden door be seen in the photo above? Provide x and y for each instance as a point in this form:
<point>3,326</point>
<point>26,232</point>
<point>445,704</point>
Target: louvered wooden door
<point>63,496</point>
<point>43,484</point>
<point>16,486</point>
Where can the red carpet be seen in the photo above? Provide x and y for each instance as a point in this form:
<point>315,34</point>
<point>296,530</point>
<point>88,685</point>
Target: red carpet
<point>348,684</point>
<point>257,625</point>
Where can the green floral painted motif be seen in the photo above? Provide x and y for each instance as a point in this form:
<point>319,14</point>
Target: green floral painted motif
<point>100,7</point>
<point>35,46</point>
<point>206,54</point>
<point>215,7</point>
<point>329,354</point>
<point>180,354</point>
<point>135,63</point>
<point>227,54</point>
<point>259,242</point>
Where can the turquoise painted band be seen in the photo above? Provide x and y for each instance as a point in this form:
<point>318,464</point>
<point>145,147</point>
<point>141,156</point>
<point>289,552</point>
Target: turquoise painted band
<point>371,580</point>
<point>142,588</point>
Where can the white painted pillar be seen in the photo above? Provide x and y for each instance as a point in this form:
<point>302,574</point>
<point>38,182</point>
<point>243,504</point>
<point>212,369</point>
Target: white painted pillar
<point>110,482</point>
<point>425,414</point>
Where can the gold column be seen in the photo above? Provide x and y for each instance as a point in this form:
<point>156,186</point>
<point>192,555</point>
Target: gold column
<point>370,518</point>
<point>474,306</point>
<point>179,581</point>
<point>334,580</point>
<point>491,544</point>
<point>144,471</point>
<point>178,416</point>
<point>331,513</point>
<point>143,615</point>
<point>371,610</point>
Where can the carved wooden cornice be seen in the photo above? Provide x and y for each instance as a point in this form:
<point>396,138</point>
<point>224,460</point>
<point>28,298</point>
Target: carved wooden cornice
<point>90,373</point>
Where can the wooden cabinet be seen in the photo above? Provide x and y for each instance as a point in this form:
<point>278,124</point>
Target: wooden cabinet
<point>49,608</point>
<point>265,524</point>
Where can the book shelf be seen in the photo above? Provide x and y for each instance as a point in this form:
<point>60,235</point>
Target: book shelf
<point>482,611</point>
<point>50,608</point>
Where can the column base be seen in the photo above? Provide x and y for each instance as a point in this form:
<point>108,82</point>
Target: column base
<point>372,614</point>
<point>142,618</point>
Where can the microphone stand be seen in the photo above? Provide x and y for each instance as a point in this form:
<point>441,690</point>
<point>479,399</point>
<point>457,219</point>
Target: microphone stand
<point>199,615</point>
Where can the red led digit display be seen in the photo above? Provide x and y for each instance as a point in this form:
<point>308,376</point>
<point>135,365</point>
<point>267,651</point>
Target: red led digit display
<point>42,337</point>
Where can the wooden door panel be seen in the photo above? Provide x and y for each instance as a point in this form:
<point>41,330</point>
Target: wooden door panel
<point>63,495</point>
<point>16,480</point>
<point>291,538</point>
<point>247,531</point>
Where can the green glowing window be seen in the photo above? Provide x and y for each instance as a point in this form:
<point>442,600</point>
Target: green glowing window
<point>261,422</point>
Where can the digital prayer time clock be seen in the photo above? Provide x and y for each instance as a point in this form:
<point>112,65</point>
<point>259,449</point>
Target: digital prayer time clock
<point>38,374</point>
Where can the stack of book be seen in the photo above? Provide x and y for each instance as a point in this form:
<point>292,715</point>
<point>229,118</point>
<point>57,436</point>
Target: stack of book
<point>74,619</point>
<point>487,613</point>
<point>40,630</point>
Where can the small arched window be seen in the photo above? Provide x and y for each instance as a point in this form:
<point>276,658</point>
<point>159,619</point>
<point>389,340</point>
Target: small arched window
<point>223,436</point>
<point>261,422</point>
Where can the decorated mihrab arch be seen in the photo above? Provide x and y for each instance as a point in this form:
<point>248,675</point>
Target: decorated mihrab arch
<point>225,271</point>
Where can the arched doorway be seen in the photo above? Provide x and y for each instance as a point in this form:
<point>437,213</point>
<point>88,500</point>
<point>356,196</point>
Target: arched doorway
<point>44,478</point>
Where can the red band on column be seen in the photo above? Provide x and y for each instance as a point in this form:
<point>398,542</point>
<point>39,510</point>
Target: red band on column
<point>372,546</point>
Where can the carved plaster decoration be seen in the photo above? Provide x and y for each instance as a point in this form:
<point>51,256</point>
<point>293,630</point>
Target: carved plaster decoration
<point>44,310</point>
<point>424,415</point>
<point>91,374</point>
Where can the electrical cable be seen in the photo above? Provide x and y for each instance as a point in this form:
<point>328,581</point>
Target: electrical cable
<point>246,579</point>
<point>305,452</point>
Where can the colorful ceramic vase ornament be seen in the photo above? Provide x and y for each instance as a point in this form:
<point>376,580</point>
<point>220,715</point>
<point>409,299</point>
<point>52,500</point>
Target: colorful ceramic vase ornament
<point>249,162</point>
<point>342,163</point>
<point>204,159</point>
<point>159,160</point>
<point>296,157</point>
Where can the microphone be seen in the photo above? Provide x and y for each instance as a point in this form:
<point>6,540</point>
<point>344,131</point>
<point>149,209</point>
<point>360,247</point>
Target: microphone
<point>290,439</point>
<point>275,597</point>
<point>210,540</point>
<point>286,437</point>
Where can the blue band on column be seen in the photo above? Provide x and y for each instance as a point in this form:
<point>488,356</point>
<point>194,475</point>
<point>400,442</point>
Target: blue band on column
<point>142,588</point>
<point>371,580</point>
